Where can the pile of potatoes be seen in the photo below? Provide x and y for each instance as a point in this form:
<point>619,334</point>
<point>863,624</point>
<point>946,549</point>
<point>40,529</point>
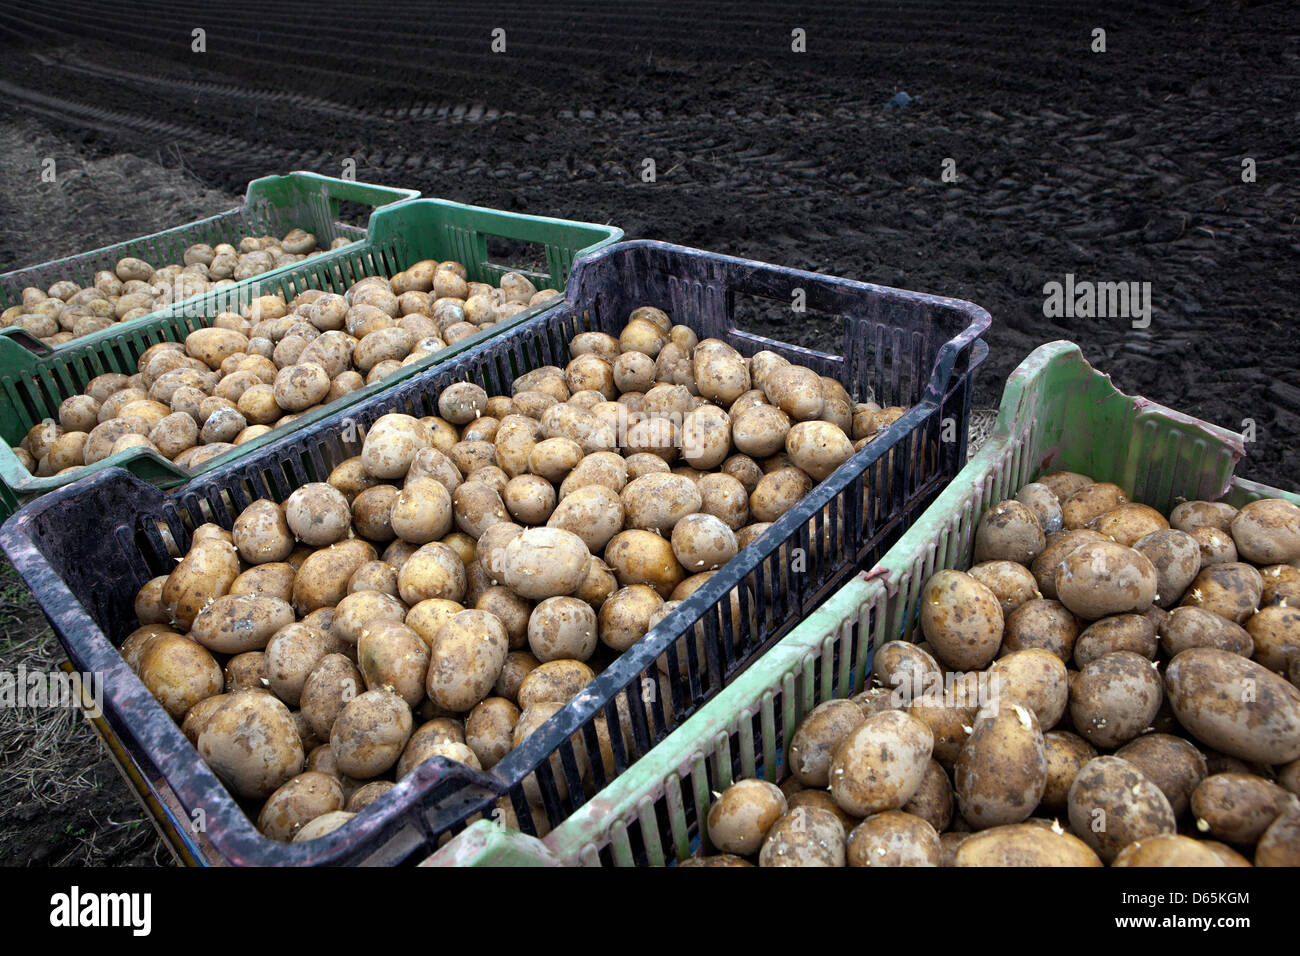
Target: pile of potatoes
<point>1104,686</point>
<point>254,371</point>
<point>66,311</point>
<point>450,588</point>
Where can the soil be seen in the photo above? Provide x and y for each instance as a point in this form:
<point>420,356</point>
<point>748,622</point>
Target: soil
<point>1116,166</point>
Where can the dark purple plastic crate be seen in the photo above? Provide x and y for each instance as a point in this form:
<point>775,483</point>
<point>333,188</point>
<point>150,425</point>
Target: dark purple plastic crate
<point>85,550</point>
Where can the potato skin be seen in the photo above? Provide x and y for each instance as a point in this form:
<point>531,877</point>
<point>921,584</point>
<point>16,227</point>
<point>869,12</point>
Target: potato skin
<point>817,737</point>
<point>881,763</point>
<point>1115,698</point>
<point>252,743</point>
<point>1024,844</point>
<point>466,657</point>
<point>804,836</point>
<point>234,623</point>
<point>739,819</point>
<point>370,733</point>
<point>893,838</point>
<point>1009,531</point>
<point>1105,578</point>
<point>1001,771</point>
<point>1235,705</point>
<point>1112,804</point>
<point>962,619</point>
<point>1238,807</point>
<point>1066,754</point>
<point>1171,763</point>
<point>297,802</point>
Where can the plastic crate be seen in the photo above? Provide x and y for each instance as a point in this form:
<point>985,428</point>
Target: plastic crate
<point>272,205</point>
<point>1057,413</point>
<point>85,550</point>
<point>32,386</point>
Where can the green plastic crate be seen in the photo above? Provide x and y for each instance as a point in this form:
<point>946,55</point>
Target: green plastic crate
<point>272,205</point>
<point>33,386</point>
<point>1057,413</point>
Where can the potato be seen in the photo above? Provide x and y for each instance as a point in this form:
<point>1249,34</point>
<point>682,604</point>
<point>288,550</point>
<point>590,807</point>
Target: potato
<point>562,628</point>
<point>893,838</point>
<point>489,730</point>
<point>1129,523</point>
<point>297,802</point>
<point>392,443</point>
<point>1239,807</point>
<point>702,542</point>
<point>1187,627</point>
<point>881,763</point>
<point>1115,698</point>
<point>1100,579</point>
<point>204,574</point>
<point>517,667</point>
<point>148,606</point>
<point>1189,515</point>
<point>212,346</point>
<point>908,668</point>
<point>643,557</point>
<point>1267,531</point>
<point>1009,531</point>
<point>1066,754</point>
<point>1167,850</point>
<point>777,492</point>
<point>933,800</point>
<point>558,680</point>
<point>476,507</point>
<point>322,826</point>
<point>594,513</point>
<point>1091,502</point>
<point>624,617</point>
<point>179,673</point>
<point>1275,631</point>
<point>1278,846</point>
<point>318,514</point>
<point>545,562</point>
<point>234,623</point>
<point>251,742</point>
<point>1024,844</point>
<point>1035,677</point>
<point>1113,804</point>
<point>739,819</point>
<point>1042,501</point>
<point>466,657</point>
<point>1011,583</point>
<point>1176,556</point>
<point>422,511</point>
<point>961,619</point>
<point>1059,546</point>
<point>1229,590</point>
<point>1120,632</point>
<point>657,502</point>
<point>530,499</point>
<point>370,733</point>
<point>817,737</point>
<point>393,657</point>
<point>1215,546</point>
<point>1001,772</point>
<point>818,448</point>
<point>1235,705</point>
<point>804,836</point>
<point>323,576</point>
<point>795,390</point>
<point>435,570</point>
<point>330,685</point>
<point>949,715</point>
